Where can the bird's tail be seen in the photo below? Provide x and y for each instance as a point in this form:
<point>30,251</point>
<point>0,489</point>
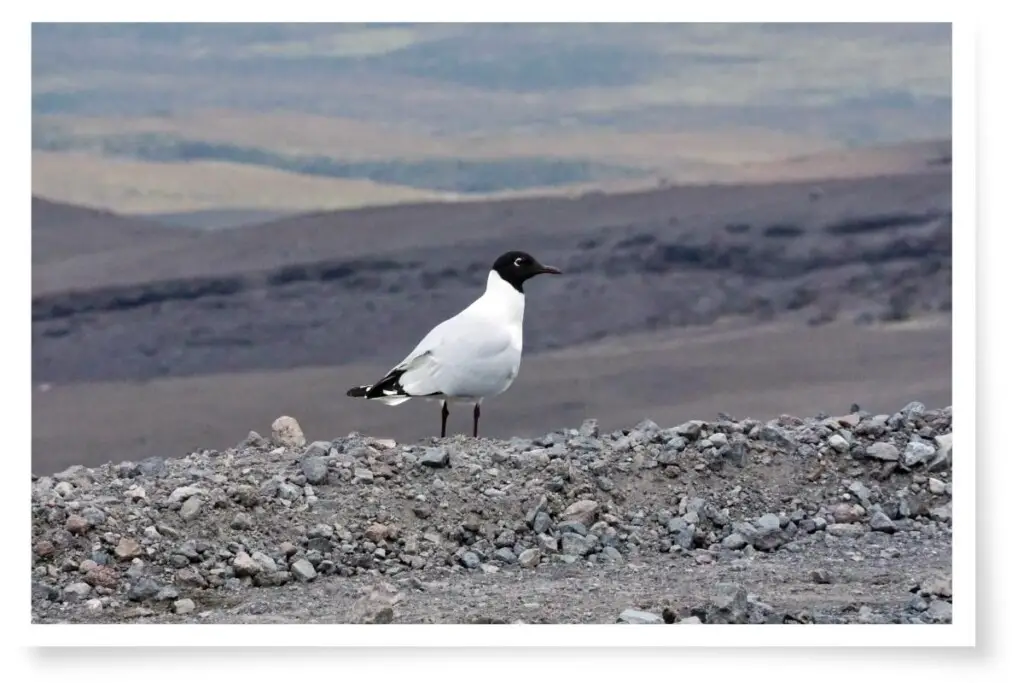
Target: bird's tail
<point>369,391</point>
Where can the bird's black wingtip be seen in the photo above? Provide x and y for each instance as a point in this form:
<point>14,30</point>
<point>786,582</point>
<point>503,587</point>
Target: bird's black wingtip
<point>357,392</point>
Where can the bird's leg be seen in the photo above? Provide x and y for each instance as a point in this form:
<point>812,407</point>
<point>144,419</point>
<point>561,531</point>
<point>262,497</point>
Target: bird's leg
<point>476,418</point>
<point>444,417</point>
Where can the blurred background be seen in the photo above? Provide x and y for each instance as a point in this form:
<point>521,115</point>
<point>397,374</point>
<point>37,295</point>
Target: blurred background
<point>231,222</point>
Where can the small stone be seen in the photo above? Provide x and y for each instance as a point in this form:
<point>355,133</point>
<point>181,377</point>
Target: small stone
<point>285,431</point>
<point>944,452</point>
<point>734,541</point>
<point>102,575</point>
<point>939,586</point>
<point>167,594</point>
<point>845,513</point>
<point>940,611</point>
<point>883,451</point>
<point>611,555</point>
<point>936,486</point>
<point>127,549</point>
<point>822,576</point>
<point>589,429</point>
<point>574,544</point>
<point>314,468</point>
<point>881,522</point>
<point>245,565</point>
<point>77,591</point>
<point>838,443</point>
<point>728,604</point>
<point>768,522</point>
<point>505,555</point>
<point>582,511</point>
<point>94,604</point>
<point>690,620</point>
<point>434,457</point>
<point>361,475</point>
<point>844,529</point>
<point>303,570</point>
<point>43,549</point>
<point>632,616</point>
<point>469,560</point>
<point>184,606</point>
<point>376,532</point>
<point>917,452</point>
<point>241,522</point>
<point>530,558</point>
<point>143,589</point>
<point>190,508</point>
<point>183,492</point>
<point>77,525</point>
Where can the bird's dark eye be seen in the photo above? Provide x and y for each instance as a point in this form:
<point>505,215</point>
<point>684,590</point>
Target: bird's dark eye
<point>518,262</point>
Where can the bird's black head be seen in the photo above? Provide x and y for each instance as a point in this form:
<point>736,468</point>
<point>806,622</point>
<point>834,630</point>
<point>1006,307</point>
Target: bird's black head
<point>516,267</point>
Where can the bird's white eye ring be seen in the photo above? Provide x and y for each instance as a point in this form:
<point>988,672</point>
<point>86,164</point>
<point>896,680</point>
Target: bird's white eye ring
<point>518,262</point>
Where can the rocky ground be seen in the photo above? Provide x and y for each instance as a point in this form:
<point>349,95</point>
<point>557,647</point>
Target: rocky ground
<point>825,520</point>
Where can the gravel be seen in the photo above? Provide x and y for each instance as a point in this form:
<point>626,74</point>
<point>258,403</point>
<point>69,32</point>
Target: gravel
<point>793,520</point>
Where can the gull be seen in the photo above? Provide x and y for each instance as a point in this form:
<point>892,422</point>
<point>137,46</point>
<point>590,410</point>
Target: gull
<point>471,356</point>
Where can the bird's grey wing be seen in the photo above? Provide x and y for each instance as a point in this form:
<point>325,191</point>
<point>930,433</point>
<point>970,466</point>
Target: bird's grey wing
<point>458,357</point>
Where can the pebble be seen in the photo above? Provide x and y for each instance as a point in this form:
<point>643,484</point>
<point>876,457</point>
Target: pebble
<point>940,611</point>
<point>127,549</point>
<point>77,524</point>
<point>883,451</point>
<point>582,511</point>
<point>184,606</point>
<point>303,570</point>
<point>529,558</point>
<point>936,486</point>
<point>838,443</point>
<point>191,508</point>
<point>943,452</point>
<point>361,475</point>
<point>285,431</point>
<point>881,522</point>
<point>916,453</point>
<point>434,457</point>
<point>632,616</point>
<point>78,590</point>
<point>314,468</point>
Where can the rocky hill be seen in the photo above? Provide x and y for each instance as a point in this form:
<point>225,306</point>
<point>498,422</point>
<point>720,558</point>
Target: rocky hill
<point>844,519</point>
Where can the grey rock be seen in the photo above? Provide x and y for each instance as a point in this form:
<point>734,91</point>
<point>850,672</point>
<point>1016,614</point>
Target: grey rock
<point>582,511</point>
<point>684,538</point>
<point>184,606</point>
<point>632,616</point>
<point>314,468</point>
<point>573,544</point>
<point>768,522</point>
<point>303,570</point>
<point>913,410</point>
<point>845,529</point>
<point>822,576</point>
<point>245,565</point>
<point>154,467</point>
<point>719,440</point>
<point>734,541</point>
<point>265,562</point>
<point>285,431</point>
<point>881,522</point>
<point>917,452</point>
<point>940,611</point>
<point>541,523</point>
<point>469,560</point>
<point>936,486</point>
<point>242,522</point>
<point>317,449</point>
<point>143,589</point>
<point>435,457</point>
<point>77,591</point>
<point>361,475</point>
<point>589,429</point>
<point>506,555</point>
<point>862,493</point>
<point>191,508</point>
<point>883,451</point>
<point>611,555</point>
<point>838,443</point>
<point>529,558</point>
<point>166,594</point>
<point>182,493</point>
<point>943,453</point>
<point>728,604</point>
<point>689,620</point>
<point>676,524</point>
<point>691,429</point>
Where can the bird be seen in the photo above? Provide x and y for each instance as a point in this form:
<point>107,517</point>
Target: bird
<point>471,356</point>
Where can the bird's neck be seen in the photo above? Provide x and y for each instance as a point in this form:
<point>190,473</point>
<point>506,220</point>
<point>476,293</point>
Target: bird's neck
<point>501,301</point>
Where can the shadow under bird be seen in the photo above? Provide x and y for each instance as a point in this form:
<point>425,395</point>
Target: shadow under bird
<point>471,356</point>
